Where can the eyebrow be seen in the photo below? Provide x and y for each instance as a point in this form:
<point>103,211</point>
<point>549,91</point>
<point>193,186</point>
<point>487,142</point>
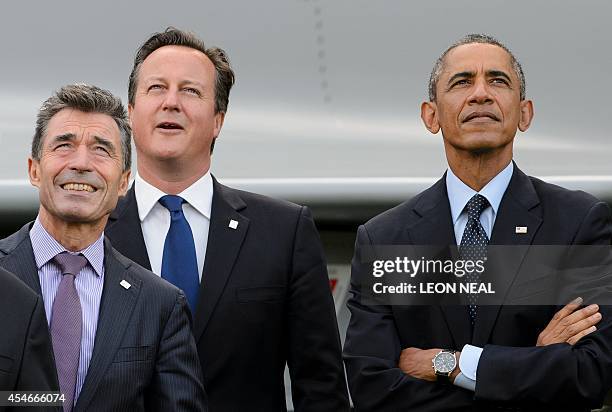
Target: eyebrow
<point>182,82</point>
<point>102,141</point>
<point>66,137</point>
<point>471,74</point>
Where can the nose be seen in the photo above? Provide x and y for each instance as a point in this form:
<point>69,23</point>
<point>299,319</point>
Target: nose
<point>171,100</point>
<point>480,93</point>
<point>80,159</point>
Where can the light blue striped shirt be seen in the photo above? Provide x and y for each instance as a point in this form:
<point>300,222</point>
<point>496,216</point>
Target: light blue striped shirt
<point>89,284</point>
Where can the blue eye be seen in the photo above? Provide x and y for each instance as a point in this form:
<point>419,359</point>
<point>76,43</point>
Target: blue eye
<point>192,90</point>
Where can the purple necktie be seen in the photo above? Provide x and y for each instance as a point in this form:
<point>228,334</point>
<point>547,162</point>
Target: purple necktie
<point>66,323</point>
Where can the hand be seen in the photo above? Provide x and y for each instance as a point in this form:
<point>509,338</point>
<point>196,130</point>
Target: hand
<point>417,363</point>
<point>570,324</point>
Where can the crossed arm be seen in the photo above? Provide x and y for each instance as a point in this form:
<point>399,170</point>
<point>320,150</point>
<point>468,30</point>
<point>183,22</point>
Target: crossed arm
<point>568,325</point>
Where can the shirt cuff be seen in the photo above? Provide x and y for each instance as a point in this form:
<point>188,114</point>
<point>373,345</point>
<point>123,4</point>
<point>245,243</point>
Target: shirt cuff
<point>468,365</point>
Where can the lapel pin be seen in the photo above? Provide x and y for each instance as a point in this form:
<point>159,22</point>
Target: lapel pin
<point>233,224</point>
<point>126,285</point>
<point>520,229</point>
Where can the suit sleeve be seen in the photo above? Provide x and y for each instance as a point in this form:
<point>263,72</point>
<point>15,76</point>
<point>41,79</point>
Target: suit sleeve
<point>313,347</point>
<point>37,372</point>
<point>177,382</point>
<point>561,374</point>
<point>371,354</point>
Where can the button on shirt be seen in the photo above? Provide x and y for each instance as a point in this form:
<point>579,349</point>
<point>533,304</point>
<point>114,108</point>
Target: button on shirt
<point>89,284</point>
<point>155,219</point>
<point>458,196</point>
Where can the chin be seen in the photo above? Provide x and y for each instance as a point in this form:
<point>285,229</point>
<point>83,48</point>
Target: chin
<point>76,215</point>
<point>169,155</point>
<point>483,144</point>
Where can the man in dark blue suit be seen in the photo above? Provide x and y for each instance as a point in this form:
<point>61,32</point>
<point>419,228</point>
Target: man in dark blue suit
<point>121,336</point>
<point>253,266</point>
<point>471,356</point>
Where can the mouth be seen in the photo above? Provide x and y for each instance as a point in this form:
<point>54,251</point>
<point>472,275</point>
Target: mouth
<point>480,116</point>
<point>169,126</point>
<point>78,187</point>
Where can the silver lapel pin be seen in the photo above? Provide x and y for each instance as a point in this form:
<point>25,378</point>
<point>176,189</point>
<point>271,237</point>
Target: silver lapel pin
<point>233,224</point>
<point>126,285</point>
<point>520,229</point>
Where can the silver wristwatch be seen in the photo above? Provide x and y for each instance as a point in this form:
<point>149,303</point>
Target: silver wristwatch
<point>444,363</point>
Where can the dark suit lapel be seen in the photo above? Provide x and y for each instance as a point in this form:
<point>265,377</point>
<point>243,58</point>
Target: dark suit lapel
<point>115,308</point>
<point>435,229</point>
<point>519,207</point>
<point>124,220</point>
<point>221,251</point>
<point>20,259</point>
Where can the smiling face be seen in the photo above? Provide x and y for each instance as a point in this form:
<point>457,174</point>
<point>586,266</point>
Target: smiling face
<point>80,171</point>
<point>478,105</point>
<point>173,116</point>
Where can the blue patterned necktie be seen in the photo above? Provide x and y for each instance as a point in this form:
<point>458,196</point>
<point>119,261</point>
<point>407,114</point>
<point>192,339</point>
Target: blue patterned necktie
<point>179,262</point>
<point>66,325</point>
<point>474,245</point>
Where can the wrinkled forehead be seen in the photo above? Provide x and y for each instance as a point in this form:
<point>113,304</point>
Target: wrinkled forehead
<point>82,124</point>
<point>477,58</point>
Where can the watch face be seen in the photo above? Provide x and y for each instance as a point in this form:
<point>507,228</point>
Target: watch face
<point>445,362</point>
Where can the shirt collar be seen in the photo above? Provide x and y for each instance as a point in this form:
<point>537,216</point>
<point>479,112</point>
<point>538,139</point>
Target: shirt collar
<point>459,193</point>
<point>199,195</point>
<point>45,248</point>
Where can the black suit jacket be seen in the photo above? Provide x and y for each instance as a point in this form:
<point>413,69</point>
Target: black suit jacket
<point>264,301</point>
<point>26,354</point>
<point>511,371</point>
<point>144,356</point>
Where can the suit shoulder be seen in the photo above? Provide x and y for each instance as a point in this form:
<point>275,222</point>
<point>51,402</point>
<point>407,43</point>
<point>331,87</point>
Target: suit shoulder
<point>9,243</point>
<point>150,282</point>
<point>573,202</point>
<point>260,203</point>
<point>404,213</point>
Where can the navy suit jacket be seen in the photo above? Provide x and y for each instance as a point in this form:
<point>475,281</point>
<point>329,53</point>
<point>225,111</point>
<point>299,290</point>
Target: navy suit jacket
<point>512,372</point>
<point>144,356</point>
<point>264,301</point>
<point>26,354</point>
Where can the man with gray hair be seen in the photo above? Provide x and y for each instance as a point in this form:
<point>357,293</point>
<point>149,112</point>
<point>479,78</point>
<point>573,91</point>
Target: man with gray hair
<point>121,336</point>
<point>466,353</point>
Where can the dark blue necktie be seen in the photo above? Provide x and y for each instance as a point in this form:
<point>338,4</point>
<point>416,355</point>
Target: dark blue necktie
<point>473,244</point>
<point>179,263</point>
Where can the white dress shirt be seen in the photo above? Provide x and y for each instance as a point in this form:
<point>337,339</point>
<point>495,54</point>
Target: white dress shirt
<point>155,219</point>
<point>459,195</point>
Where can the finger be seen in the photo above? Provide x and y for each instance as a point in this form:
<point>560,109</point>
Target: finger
<point>566,310</point>
<point>582,325</point>
<point>574,339</point>
<point>581,314</point>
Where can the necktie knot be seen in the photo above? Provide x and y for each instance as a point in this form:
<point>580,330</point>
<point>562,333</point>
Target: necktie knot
<point>174,204</point>
<point>476,205</point>
<point>70,264</point>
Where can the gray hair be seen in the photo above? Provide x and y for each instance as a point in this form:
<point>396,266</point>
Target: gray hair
<point>468,39</point>
<point>88,99</point>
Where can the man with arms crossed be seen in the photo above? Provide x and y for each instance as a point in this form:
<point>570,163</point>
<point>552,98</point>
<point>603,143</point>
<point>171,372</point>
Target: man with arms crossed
<point>252,267</point>
<point>477,99</point>
<point>121,336</point>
